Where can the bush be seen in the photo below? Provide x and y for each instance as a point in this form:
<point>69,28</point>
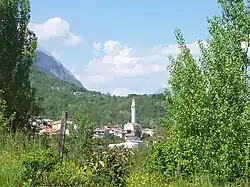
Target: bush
<point>41,168</point>
<point>37,166</point>
<point>69,174</point>
<point>112,168</point>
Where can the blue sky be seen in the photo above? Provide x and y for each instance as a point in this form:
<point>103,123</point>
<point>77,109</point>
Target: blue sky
<point>119,47</point>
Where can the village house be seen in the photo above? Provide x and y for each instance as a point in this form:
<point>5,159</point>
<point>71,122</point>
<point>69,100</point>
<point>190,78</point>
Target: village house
<point>148,131</point>
<point>131,137</point>
<point>52,127</point>
<point>115,130</point>
<point>100,132</point>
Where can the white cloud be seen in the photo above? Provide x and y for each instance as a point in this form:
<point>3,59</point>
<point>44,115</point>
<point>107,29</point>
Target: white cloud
<point>55,29</point>
<point>98,80</point>
<point>123,68</point>
<point>97,46</point>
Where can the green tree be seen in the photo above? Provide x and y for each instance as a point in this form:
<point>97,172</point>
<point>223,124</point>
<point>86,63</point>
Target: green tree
<point>17,54</point>
<point>80,140</point>
<point>208,104</point>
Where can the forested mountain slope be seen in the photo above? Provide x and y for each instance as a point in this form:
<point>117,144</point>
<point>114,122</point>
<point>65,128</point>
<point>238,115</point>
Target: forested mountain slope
<point>102,108</point>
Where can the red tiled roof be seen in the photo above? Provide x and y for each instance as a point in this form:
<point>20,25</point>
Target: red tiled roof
<point>106,128</point>
<point>48,129</point>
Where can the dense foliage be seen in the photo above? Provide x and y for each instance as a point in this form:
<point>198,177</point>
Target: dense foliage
<point>17,54</point>
<point>208,105</point>
<point>101,108</point>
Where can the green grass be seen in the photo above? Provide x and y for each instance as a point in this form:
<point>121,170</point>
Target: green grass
<point>12,150</point>
<point>10,165</point>
<point>10,168</point>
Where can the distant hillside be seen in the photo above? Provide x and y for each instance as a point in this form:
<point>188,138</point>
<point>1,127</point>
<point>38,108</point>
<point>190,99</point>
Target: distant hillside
<point>49,65</point>
<point>105,109</point>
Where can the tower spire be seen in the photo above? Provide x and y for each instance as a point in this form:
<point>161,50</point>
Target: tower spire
<point>133,111</point>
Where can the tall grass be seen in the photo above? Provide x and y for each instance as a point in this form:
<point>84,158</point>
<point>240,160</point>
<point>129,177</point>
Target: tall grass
<point>14,148</point>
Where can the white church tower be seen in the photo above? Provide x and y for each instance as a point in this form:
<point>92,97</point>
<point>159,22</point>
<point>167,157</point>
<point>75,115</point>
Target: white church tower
<point>133,111</point>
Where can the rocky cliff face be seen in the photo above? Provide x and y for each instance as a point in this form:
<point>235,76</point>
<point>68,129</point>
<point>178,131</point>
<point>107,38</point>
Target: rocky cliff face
<point>48,64</point>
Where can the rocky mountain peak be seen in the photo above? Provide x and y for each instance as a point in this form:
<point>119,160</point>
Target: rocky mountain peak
<point>48,64</point>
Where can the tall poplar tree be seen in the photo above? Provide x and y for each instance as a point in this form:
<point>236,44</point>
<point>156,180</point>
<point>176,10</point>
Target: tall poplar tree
<point>208,107</point>
<point>17,54</point>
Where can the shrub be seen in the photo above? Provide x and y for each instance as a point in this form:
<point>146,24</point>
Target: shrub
<point>37,167</point>
<point>41,168</point>
<point>112,168</point>
<point>69,174</point>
